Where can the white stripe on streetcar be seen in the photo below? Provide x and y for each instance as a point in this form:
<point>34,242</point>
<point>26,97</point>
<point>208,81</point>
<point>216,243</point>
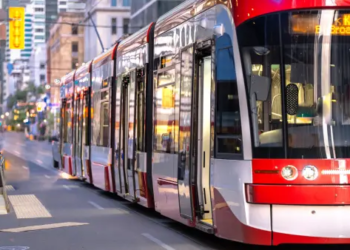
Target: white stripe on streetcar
<point>96,205</point>
<point>158,242</point>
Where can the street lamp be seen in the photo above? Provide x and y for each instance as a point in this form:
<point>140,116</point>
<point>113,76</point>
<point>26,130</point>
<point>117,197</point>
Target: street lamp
<point>47,86</point>
<point>7,113</point>
<point>2,116</point>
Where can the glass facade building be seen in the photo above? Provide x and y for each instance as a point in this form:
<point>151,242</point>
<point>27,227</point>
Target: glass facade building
<point>143,12</point>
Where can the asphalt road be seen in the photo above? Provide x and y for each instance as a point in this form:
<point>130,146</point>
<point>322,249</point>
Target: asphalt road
<point>49,212</point>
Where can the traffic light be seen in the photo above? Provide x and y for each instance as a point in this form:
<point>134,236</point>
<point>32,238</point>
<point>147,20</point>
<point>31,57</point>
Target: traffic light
<point>16,16</point>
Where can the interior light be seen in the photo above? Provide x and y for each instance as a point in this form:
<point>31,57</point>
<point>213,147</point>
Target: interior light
<point>289,173</point>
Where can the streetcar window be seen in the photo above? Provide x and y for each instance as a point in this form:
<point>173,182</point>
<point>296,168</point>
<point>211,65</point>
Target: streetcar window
<point>228,121</point>
<point>104,124</point>
<point>68,116</point>
<point>164,122</point>
<point>140,118</point>
<point>261,57</point>
<point>100,119</point>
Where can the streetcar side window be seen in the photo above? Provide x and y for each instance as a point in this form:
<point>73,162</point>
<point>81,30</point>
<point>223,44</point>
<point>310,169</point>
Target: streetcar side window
<point>104,124</point>
<point>227,119</point>
<point>68,117</point>
<point>164,113</point>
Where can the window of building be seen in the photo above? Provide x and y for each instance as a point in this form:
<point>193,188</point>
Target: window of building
<point>113,3</point>
<point>114,26</point>
<point>126,25</point>
<point>39,9</point>
<point>62,3</point>
<point>74,30</point>
<point>39,16</point>
<point>42,65</point>
<point>75,63</point>
<point>39,30</point>
<point>126,3</point>
<point>75,47</point>
<point>62,10</point>
<point>39,37</point>
<point>42,78</point>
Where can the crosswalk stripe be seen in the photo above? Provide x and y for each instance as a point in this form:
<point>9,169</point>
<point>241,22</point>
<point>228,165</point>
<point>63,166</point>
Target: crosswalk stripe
<point>42,227</point>
<point>28,206</point>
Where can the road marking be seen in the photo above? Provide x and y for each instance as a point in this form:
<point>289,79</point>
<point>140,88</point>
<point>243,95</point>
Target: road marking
<point>20,144</point>
<point>158,242</point>
<point>96,205</point>
<point>48,177</point>
<point>42,227</point>
<point>16,152</point>
<point>43,153</point>
<point>39,161</point>
<point>10,188</point>
<point>66,187</point>
<point>28,206</point>
<point>25,167</point>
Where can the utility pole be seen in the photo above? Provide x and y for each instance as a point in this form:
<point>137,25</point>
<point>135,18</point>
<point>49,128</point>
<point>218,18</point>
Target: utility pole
<point>98,34</point>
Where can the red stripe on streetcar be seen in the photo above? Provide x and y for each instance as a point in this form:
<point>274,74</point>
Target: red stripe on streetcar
<point>281,238</point>
<point>298,194</point>
<point>162,182</point>
<point>268,171</point>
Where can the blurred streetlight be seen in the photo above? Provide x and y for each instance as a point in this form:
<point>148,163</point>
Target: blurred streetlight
<point>7,113</point>
<point>2,116</point>
<point>47,86</point>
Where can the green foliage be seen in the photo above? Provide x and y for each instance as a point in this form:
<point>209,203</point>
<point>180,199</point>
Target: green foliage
<point>21,95</point>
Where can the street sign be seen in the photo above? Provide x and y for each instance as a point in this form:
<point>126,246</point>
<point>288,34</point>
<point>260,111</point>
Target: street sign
<point>16,26</point>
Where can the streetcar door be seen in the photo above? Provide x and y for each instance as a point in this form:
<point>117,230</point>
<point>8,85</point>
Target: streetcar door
<point>78,141</point>
<point>185,160</point>
<point>203,77</point>
<point>128,135</point>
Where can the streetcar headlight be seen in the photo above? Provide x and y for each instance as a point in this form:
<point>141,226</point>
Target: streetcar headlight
<point>289,173</point>
<point>310,172</point>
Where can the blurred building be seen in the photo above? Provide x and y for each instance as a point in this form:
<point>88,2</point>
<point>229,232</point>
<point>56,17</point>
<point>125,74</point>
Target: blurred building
<point>111,18</point>
<point>143,12</point>
<point>38,65</point>
<point>65,50</point>
<point>51,8</point>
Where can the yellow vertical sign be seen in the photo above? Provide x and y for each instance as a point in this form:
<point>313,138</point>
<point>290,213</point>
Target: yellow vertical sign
<point>16,27</point>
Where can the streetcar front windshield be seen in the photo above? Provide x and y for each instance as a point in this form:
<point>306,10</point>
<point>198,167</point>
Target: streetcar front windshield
<point>297,72</point>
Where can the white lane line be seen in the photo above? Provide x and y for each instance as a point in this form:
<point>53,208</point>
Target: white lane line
<point>48,177</point>
<point>42,227</point>
<point>158,242</point>
<point>43,153</point>
<point>28,206</point>
<point>20,144</point>
<point>25,167</point>
<point>39,161</point>
<point>96,205</point>
<point>16,152</point>
<point>66,187</point>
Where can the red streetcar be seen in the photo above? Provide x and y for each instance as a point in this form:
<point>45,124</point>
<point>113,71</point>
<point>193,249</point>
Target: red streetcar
<point>229,116</point>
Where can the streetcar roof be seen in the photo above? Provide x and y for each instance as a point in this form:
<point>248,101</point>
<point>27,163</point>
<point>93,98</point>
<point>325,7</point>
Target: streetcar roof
<point>137,39</point>
<point>104,57</point>
<point>68,77</point>
<point>83,70</point>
